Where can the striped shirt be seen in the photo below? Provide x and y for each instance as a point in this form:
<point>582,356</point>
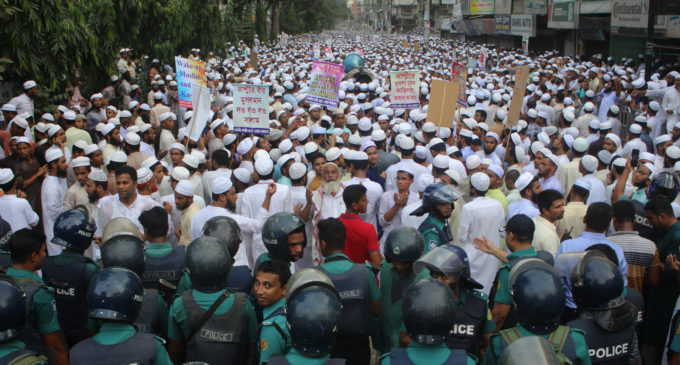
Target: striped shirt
<point>640,254</point>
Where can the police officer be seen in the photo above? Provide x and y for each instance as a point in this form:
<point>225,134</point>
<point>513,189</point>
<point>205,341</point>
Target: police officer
<point>163,261</point>
<point>115,298</point>
<point>128,252</point>
<point>403,246</point>
<point>70,272</point>
<point>227,231</point>
<point>42,335</point>
<point>438,201</point>
<point>428,317</point>
<point>538,295</point>
<point>5,235</point>
<point>519,233</point>
<point>313,312</point>
<point>605,316</point>
<point>472,323</point>
<point>13,319</point>
<point>208,323</point>
<point>358,290</point>
<point>269,287</point>
<point>284,237</point>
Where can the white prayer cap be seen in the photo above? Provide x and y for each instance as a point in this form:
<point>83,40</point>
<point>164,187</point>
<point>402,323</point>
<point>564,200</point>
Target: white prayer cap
<point>180,173</point>
<point>496,170</point>
<point>441,162</point>
<point>423,181</point>
<point>6,175</point>
<point>285,146</point>
<point>80,162</point>
<point>580,144</point>
<point>524,180</point>
<point>582,183</point>
<point>20,122</point>
<point>264,166</point>
<point>241,174</point>
<point>177,146</point>
<point>297,170</point>
<point>90,149</point>
<point>473,161</point>
<point>221,185</point>
<point>53,130</point>
<point>480,181</point>
<point>132,139</point>
<point>245,146</point>
<point>333,154</point>
<point>143,175</point>
<point>149,162</point>
<point>185,187</point>
<point>29,84</point>
<point>589,163</point>
<point>107,128</point>
<point>118,156</point>
<point>190,160</point>
<point>97,175</point>
<point>53,154</point>
<point>229,139</point>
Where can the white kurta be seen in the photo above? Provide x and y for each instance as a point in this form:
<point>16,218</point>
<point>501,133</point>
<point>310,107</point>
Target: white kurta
<point>17,212</point>
<point>111,207</point>
<point>52,194</point>
<point>481,217</point>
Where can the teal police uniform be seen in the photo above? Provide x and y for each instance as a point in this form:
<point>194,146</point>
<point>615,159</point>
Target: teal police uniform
<point>274,334</point>
<point>427,354</point>
<point>436,232</point>
<point>15,351</point>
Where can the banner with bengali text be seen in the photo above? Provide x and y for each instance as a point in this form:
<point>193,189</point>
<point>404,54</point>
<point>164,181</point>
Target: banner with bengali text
<point>405,89</point>
<point>324,84</point>
<point>251,109</point>
<point>188,72</point>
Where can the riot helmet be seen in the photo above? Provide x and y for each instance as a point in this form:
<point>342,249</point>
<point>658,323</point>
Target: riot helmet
<point>404,244</point>
<point>664,184</point>
<point>538,295</point>
<point>305,278</point>
<point>115,293</point>
<point>275,234</point>
<point>449,260</point>
<point>125,251</point>
<point>74,229</point>
<point>428,311</point>
<point>226,230</point>
<point>120,226</point>
<point>434,194</point>
<point>313,310</point>
<point>13,312</point>
<point>208,264</point>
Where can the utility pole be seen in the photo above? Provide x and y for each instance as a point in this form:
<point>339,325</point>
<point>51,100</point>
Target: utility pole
<point>649,46</point>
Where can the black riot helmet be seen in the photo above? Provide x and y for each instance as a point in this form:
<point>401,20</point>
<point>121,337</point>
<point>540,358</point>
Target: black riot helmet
<point>208,264</point>
<point>664,184</point>
<point>275,233</point>
<point>404,244</point>
<point>74,229</point>
<point>226,230</point>
<point>115,293</point>
<point>538,294</point>
<point>450,260</point>
<point>125,251</point>
<point>596,283</point>
<point>13,312</point>
<point>313,309</point>
<point>428,311</point>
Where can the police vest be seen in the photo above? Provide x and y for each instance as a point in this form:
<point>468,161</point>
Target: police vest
<point>512,318</point>
<point>445,235</point>
<point>139,349</point>
<point>353,287</point>
<point>147,320</point>
<point>399,356</point>
<point>638,301</point>
<point>30,335</point>
<point>22,357</point>
<point>468,325</point>
<point>561,339</point>
<point>223,338</point>
<point>605,347</point>
<point>70,293</point>
<point>168,268</point>
<point>281,360</point>
<point>642,225</point>
<point>5,261</point>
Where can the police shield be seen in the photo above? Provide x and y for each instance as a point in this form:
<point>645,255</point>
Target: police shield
<point>530,350</point>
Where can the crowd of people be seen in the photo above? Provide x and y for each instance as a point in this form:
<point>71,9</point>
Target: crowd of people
<point>360,234</point>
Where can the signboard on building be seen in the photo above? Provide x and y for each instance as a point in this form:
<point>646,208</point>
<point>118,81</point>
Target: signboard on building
<point>538,7</point>
<point>563,14</point>
<point>503,7</point>
<point>523,25</point>
<point>481,7</point>
<point>630,13</point>
<point>673,27</point>
<point>502,24</point>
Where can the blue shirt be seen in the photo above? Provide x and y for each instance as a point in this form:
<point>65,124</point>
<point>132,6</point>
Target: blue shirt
<point>580,244</point>
<point>523,206</point>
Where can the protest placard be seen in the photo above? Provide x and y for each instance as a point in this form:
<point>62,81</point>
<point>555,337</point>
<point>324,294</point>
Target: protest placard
<point>442,110</point>
<point>324,83</point>
<point>521,75</point>
<point>188,72</point>
<point>316,50</point>
<point>251,109</point>
<point>405,87</point>
<point>459,75</point>
<point>200,99</point>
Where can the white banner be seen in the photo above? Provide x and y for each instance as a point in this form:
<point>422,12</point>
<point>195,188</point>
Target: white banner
<point>200,99</point>
<point>630,13</point>
<point>251,109</point>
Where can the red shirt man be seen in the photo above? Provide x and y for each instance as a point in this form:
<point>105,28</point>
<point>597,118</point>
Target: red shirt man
<point>362,239</point>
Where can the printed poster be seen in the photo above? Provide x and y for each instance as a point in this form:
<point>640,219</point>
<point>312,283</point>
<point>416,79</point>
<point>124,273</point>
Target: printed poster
<point>188,72</point>
<point>405,87</point>
<point>325,83</point>
<point>251,109</point>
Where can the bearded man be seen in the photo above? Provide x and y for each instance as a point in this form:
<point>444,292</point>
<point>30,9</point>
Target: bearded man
<point>326,203</point>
